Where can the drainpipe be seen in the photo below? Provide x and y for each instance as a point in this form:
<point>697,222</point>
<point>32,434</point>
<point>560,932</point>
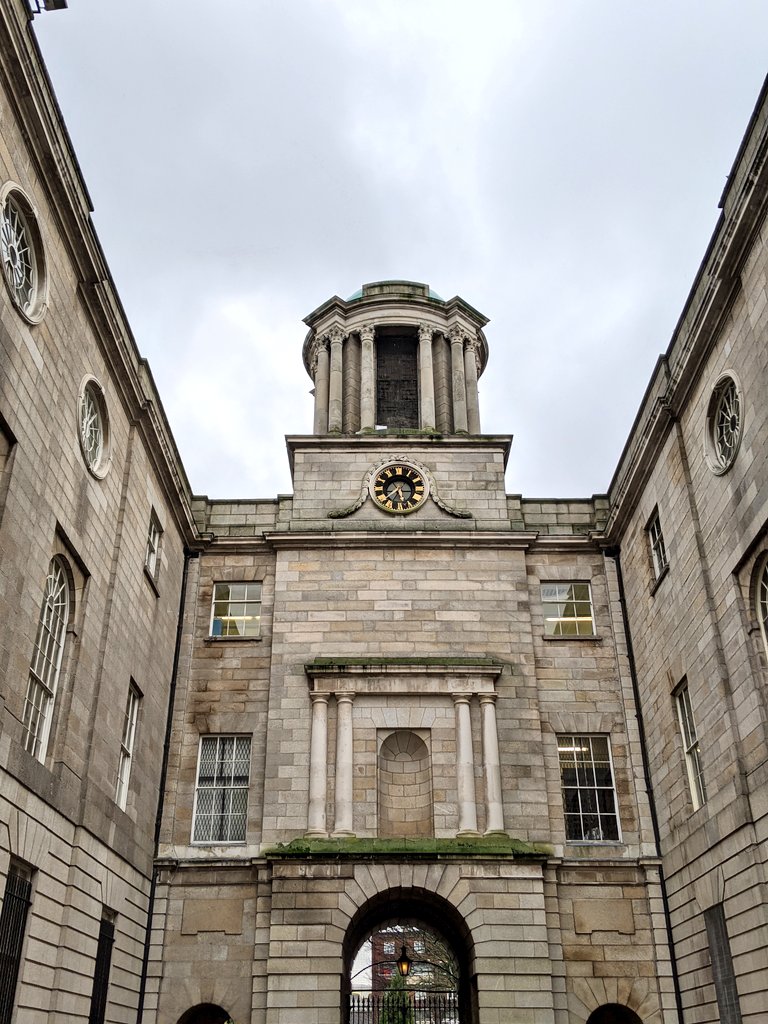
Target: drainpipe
<point>615,554</point>
<point>163,773</point>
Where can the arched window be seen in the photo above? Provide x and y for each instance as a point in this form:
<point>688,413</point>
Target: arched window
<point>46,660</point>
<point>761,600</point>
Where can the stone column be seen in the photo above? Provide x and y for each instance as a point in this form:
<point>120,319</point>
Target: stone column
<point>470,375</point>
<point>465,766</point>
<point>321,387</point>
<point>343,819</point>
<point>336,336</point>
<point>367,379</point>
<point>318,766</point>
<point>426,378</point>
<point>458,384</point>
<point>494,807</point>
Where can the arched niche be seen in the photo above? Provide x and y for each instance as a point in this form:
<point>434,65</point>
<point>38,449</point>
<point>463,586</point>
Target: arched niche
<point>404,786</point>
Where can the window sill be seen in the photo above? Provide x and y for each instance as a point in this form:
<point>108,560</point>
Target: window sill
<point>601,843</point>
<point>152,582</point>
<point>559,639</point>
<point>233,639</point>
<point>662,576</point>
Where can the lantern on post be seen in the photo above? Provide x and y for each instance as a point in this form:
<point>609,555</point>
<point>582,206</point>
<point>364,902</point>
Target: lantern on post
<point>404,963</point>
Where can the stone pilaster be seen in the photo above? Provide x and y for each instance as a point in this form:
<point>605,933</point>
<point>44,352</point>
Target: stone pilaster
<point>335,390</point>
<point>343,818</point>
<point>465,766</point>
<point>367,379</point>
<point>426,378</point>
<point>458,383</point>
<point>318,766</point>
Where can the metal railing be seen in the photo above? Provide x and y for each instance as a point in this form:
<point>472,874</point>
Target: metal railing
<point>408,1007</point>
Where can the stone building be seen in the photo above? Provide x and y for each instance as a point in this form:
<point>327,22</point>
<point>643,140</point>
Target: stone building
<point>249,750</point>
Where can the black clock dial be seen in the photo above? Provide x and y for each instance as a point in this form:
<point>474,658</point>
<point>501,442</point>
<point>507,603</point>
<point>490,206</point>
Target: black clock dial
<point>399,488</point>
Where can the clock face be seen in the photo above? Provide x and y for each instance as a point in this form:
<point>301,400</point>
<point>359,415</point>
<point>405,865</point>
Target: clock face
<point>398,488</point>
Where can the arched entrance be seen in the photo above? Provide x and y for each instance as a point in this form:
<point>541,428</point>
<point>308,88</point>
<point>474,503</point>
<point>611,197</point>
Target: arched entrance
<point>614,1013</point>
<point>407,960</point>
<point>205,1013</point>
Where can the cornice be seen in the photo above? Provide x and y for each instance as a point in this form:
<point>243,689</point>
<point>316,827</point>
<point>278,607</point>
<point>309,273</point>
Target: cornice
<point>59,175</point>
<point>398,539</point>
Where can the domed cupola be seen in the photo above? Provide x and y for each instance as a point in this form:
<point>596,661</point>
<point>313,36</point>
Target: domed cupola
<point>395,356</point>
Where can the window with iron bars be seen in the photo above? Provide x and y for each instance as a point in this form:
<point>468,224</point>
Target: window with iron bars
<point>13,921</point>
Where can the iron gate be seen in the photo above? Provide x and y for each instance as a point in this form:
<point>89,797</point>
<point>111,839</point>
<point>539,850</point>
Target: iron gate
<point>404,1007</point>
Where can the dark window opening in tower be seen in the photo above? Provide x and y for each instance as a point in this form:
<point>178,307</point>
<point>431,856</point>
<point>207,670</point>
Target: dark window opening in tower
<point>397,385</point>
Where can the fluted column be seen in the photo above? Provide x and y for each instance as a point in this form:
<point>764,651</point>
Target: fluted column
<point>343,819</point>
<point>321,387</point>
<point>465,766</point>
<point>367,379</point>
<point>494,807</point>
<point>426,378</point>
<point>470,376</point>
<point>318,766</point>
<point>336,336</point>
<point>458,385</point>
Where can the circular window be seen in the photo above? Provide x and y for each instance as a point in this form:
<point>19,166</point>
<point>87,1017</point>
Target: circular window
<point>22,254</point>
<point>724,422</point>
<point>93,426</point>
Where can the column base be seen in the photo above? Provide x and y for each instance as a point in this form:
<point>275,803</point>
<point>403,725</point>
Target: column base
<point>315,833</point>
<point>343,834</point>
<point>497,832</point>
<point>468,833</point>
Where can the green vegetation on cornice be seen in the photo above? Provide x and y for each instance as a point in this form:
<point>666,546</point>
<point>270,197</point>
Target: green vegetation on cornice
<point>456,662</point>
<point>463,847</point>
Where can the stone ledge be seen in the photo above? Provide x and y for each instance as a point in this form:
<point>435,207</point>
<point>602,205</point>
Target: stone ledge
<point>420,849</point>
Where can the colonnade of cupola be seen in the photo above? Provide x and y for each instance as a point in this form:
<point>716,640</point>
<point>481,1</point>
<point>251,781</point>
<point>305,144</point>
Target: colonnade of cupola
<point>395,356</point>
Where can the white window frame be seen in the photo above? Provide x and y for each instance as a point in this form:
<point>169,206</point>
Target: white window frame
<point>723,434</point>
<point>584,771</point>
<point>223,787</point>
<point>22,253</point>
<point>237,614</point>
<point>761,600</point>
<point>691,746</point>
<point>558,605</point>
<point>127,741</point>
<point>93,427</point>
<point>152,553</point>
<point>659,557</point>
<point>47,657</point>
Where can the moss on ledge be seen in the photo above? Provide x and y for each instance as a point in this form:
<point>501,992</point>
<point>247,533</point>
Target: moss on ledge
<point>468,663</point>
<point>464,847</point>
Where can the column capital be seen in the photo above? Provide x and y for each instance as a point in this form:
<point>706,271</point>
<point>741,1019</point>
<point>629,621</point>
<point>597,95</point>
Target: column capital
<point>487,698</point>
<point>473,345</point>
<point>335,335</point>
<point>319,698</point>
<point>456,334</point>
<point>317,346</point>
<point>425,333</point>
<point>367,332</point>
<point>461,698</point>
<point>345,696</point>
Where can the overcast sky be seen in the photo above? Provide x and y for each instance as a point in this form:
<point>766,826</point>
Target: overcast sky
<point>557,163</point>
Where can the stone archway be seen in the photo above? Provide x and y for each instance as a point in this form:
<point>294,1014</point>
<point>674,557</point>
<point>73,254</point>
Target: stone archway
<point>205,1013</point>
<point>402,913</point>
<point>614,1013</point>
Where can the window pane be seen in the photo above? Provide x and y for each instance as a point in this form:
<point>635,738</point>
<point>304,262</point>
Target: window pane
<point>589,800</point>
<point>567,609</point>
<point>222,789</point>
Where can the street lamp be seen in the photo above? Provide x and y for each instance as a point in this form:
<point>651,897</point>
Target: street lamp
<point>404,964</point>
